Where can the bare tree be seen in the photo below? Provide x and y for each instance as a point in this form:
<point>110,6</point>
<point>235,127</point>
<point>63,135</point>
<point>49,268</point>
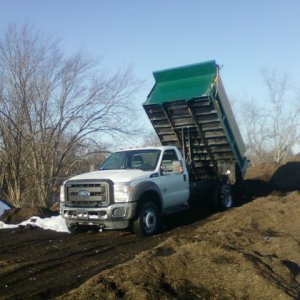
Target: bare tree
<point>255,122</point>
<point>273,130</point>
<point>284,117</point>
<point>49,106</point>
<point>151,139</point>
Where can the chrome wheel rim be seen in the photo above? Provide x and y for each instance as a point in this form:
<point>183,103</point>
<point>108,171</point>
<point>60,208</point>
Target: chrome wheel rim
<point>227,201</point>
<point>149,220</point>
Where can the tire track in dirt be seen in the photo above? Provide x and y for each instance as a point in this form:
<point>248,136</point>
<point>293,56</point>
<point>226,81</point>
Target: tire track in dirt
<point>48,265</point>
<point>43,264</point>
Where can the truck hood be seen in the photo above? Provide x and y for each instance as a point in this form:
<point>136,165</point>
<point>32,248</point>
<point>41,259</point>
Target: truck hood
<point>115,175</point>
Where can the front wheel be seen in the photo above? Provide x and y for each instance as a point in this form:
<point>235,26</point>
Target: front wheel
<point>148,220</point>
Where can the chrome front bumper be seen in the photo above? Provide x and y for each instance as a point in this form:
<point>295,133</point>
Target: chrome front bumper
<point>115,216</point>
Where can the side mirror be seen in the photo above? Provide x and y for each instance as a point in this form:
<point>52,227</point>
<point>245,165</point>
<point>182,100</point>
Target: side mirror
<point>177,167</point>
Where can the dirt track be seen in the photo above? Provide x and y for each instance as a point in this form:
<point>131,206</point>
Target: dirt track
<point>42,264</point>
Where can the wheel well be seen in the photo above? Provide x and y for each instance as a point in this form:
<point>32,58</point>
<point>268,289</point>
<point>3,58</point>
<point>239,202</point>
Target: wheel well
<point>150,196</point>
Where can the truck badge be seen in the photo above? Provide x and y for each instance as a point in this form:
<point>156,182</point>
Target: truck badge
<point>84,194</point>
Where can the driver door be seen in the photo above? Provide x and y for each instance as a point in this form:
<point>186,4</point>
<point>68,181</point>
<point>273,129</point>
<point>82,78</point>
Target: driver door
<point>174,186</point>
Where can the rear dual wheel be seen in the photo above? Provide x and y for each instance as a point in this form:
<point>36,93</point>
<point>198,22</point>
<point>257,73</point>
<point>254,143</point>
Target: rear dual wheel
<point>223,198</point>
<point>226,197</point>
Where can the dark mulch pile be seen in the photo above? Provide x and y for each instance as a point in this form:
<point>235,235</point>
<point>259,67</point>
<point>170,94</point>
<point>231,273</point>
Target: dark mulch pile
<point>287,177</point>
<point>263,180</point>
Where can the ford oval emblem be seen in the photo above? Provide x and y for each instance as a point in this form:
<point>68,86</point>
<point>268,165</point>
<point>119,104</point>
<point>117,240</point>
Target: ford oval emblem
<point>84,194</point>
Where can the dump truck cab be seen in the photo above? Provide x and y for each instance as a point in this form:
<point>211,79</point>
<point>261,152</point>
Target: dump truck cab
<point>132,187</point>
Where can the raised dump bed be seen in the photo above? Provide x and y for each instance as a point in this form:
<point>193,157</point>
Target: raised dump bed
<point>188,108</point>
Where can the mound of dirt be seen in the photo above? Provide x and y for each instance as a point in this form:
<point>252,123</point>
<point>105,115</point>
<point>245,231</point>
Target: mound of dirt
<point>264,179</point>
<point>263,171</point>
<point>18,215</point>
<point>258,188</point>
<point>287,177</point>
<point>250,252</point>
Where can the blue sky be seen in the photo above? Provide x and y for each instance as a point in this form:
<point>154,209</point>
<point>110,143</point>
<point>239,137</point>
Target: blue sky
<point>243,36</point>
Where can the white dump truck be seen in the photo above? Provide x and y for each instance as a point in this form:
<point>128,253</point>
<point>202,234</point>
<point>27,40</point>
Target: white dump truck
<point>201,156</point>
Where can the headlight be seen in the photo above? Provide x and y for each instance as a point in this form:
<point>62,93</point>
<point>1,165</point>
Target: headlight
<point>62,194</point>
<point>122,191</point>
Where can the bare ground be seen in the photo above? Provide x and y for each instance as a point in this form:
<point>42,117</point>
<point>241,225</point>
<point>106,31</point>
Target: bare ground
<point>42,264</point>
<point>249,252</point>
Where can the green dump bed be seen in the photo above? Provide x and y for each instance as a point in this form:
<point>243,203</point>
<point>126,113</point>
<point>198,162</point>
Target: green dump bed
<point>188,108</point>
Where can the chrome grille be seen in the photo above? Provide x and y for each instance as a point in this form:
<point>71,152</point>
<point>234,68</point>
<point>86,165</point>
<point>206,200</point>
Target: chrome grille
<point>87,194</point>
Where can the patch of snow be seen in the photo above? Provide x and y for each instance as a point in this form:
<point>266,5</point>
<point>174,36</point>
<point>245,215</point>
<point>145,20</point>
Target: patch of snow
<point>56,223</point>
<point>3,207</point>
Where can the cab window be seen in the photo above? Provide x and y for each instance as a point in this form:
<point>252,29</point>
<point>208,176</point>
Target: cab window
<point>167,162</point>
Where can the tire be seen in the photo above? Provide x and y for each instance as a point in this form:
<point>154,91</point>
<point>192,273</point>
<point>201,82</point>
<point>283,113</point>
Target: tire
<point>223,197</point>
<point>148,220</point>
<point>226,197</point>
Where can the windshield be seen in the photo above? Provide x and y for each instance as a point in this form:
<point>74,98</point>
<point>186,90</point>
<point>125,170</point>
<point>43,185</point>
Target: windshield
<point>144,160</point>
